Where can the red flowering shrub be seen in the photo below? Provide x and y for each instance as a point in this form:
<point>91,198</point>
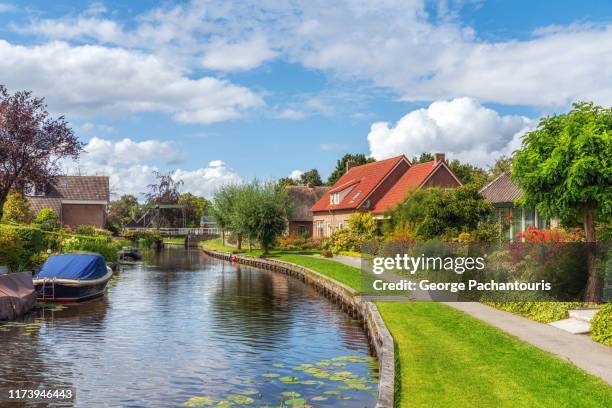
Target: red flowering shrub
<point>532,234</point>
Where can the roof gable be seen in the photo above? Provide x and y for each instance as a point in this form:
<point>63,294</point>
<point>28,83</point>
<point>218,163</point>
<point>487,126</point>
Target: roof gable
<point>501,190</point>
<point>416,177</point>
<point>362,182</point>
<point>90,188</point>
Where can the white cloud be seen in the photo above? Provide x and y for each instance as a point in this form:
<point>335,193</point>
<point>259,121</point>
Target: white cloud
<point>95,79</point>
<point>206,180</point>
<point>130,166</point>
<point>224,56</point>
<point>461,127</point>
<point>418,49</point>
<point>128,151</point>
<point>296,175</point>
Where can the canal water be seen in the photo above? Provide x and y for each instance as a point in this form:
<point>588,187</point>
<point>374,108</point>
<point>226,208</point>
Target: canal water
<point>183,329</point>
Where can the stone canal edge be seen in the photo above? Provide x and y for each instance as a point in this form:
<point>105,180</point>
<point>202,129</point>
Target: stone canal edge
<point>347,299</point>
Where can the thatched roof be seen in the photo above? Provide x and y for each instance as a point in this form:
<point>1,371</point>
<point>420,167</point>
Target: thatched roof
<point>303,198</point>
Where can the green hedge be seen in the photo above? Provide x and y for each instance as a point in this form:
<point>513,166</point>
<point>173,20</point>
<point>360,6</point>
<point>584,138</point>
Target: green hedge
<point>601,326</point>
<point>539,311</point>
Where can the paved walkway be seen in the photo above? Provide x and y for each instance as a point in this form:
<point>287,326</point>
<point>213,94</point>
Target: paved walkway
<point>579,350</point>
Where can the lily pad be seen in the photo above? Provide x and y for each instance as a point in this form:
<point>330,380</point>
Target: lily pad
<point>296,402</point>
<point>270,375</point>
<point>224,404</point>
<point>278,365</point>
<point>322,374</point>
<point>289,380</point>
<point>324,363</point>
<point>332,392</point>
<point>291,394</point>
<point>198,402</point>
<point>240,399</point>
<point>319,398</point>
<point>249,391</point>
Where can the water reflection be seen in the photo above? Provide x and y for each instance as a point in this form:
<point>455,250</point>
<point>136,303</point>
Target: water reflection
<point>184,325</point>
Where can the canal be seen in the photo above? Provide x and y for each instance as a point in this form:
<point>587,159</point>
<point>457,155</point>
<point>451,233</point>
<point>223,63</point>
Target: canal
<point>183,329</point>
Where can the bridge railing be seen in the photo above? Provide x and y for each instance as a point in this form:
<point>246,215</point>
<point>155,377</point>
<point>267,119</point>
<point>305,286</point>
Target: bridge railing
<point>175,231</point>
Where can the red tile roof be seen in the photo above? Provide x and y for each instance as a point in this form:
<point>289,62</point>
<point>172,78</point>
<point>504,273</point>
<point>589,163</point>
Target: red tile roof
<point>363,179</point>
<point>412,179</point>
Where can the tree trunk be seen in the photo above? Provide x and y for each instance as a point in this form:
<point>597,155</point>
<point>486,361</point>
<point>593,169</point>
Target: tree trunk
<point>239,242</point>
<point>223,236</point>
<point>593,283</point>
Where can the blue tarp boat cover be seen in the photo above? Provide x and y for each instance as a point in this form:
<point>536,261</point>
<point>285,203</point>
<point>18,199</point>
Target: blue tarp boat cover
<point>73,266</point>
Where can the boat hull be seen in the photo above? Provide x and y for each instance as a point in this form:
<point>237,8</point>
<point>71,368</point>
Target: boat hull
<point>70,290</point>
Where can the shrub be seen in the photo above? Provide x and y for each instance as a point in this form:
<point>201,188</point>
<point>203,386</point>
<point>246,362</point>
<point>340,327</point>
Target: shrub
<point>343,240</point>
<point>327,253</point>
<point>601,326</point>
<point>32,239</point>
<point>102,246</point>
<point>532,234</point>
<point>17,209</point>
<point>363,224</point>
<point>47,220</point>
<point>38,259</point>
<point>91,230</point>
<point>11,249</point>
<point>544,312</point>
<point>296,242</point>
<point>143,238</point>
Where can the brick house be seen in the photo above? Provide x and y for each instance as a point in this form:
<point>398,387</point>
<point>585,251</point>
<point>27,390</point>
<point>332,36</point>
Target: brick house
<point>77,200</point>
<point>377,187</point>
<point>302,199</point>
<point>502,193</point>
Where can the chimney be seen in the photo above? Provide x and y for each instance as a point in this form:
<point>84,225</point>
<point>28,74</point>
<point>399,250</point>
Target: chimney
<point>438,157</point>
<point>349,165</point>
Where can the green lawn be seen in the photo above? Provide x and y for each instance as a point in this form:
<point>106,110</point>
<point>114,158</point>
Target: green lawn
<point>448,359</point>
<point>342,273</point>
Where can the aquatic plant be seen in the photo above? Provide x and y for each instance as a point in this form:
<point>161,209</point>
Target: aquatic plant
<point>198,402</point>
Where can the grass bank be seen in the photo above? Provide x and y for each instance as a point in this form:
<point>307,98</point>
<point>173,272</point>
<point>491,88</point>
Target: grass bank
<point>342,273</point>
<point>449,359</point>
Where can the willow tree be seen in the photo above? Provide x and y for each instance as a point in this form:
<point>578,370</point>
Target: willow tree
<point>564,169</point>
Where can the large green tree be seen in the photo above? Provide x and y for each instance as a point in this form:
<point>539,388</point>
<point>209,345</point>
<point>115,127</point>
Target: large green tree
<point>257,211</point>
<point>564,169</point>
<point>195,207</point>
<point>124,210</point>
<point>223,205</point>
<point>311,177</point>
<point>441,213</point>
<point>354,159</point>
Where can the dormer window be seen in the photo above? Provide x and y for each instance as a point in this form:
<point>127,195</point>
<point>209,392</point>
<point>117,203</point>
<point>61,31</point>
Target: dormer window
<point>36,190</point>
<point>356,196</point>
<point>334,199</point>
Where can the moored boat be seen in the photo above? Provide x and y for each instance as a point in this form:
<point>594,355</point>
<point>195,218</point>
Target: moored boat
<point>72,278</point>
<point>130,254</point>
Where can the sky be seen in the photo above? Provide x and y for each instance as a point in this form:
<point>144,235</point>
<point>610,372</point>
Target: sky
<point>219,92</point>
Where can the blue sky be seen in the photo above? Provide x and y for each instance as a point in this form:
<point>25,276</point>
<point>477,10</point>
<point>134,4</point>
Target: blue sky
<point>219,92</point>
